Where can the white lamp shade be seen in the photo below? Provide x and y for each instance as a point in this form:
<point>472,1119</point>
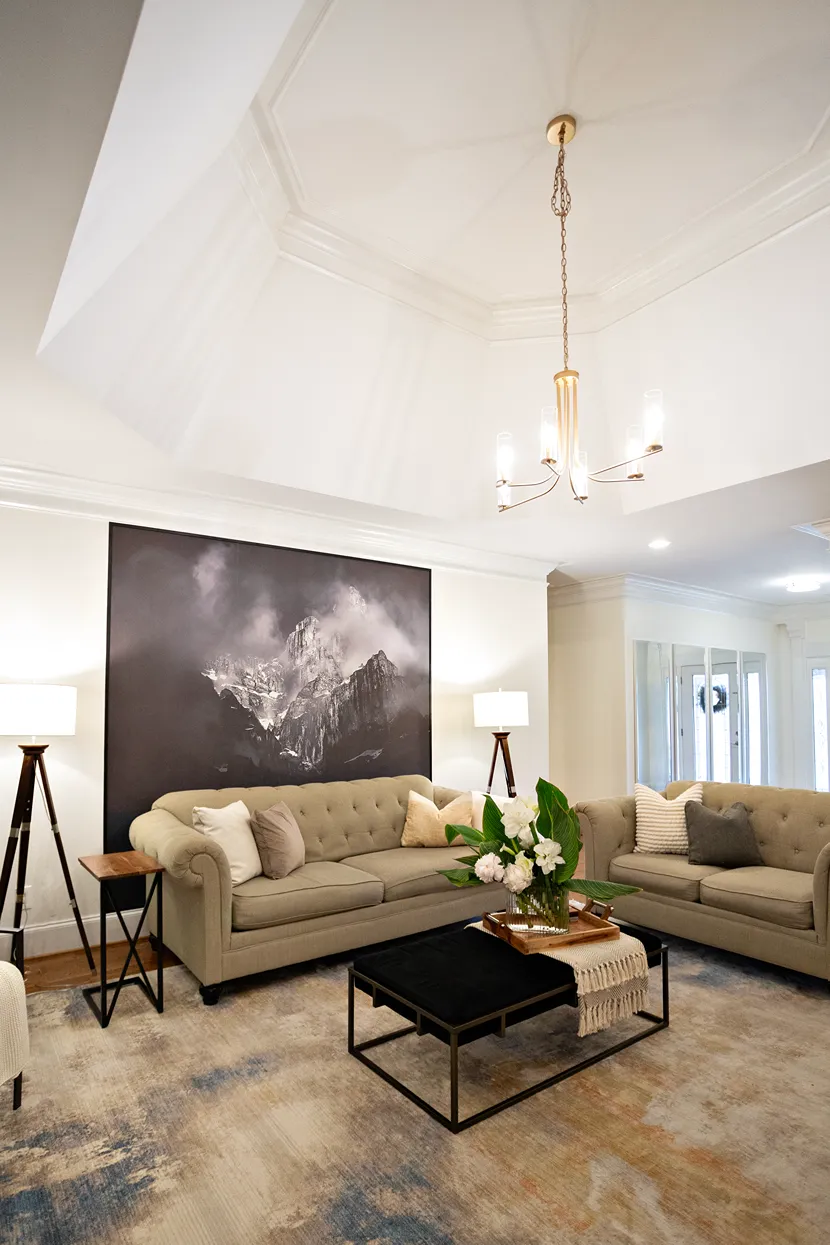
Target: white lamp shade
<point>500,709</point>
<point>37,709</point>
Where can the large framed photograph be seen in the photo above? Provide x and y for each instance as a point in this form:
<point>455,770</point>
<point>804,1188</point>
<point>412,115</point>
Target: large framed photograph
<point>238,664</point>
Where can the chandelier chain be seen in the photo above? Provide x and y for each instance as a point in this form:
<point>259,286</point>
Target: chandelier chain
<point>560,203</point>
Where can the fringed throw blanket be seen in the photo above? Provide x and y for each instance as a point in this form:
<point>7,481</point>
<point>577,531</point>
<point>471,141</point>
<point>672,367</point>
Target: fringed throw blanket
<point>611,979</point>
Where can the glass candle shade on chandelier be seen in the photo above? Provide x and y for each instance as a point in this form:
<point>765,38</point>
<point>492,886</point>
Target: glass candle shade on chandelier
<point>560,453</point>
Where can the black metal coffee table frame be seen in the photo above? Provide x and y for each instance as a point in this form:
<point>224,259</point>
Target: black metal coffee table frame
<point>454,1036</point>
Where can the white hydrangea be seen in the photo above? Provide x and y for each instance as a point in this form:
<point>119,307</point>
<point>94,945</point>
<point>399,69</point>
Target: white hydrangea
<point>489,868</point>
<point>549,855</point>
<point>519,874</point>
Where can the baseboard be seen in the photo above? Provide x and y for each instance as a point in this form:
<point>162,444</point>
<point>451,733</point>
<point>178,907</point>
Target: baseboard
<point>53,936</point>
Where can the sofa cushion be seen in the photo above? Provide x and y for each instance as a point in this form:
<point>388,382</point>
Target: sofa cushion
<point>662,875</point>
<point>316,889</point>
<point>781,896</point>
<point>408,871</point>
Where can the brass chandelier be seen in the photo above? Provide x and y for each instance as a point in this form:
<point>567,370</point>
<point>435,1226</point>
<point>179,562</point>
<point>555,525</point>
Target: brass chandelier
<point>559,433</point>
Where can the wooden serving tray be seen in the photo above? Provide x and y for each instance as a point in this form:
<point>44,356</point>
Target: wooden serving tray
<point>585,927</point>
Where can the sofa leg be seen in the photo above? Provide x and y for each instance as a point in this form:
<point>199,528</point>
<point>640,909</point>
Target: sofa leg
<point>155,945</point>
<point>17,1094</point>
<point>210,995</point>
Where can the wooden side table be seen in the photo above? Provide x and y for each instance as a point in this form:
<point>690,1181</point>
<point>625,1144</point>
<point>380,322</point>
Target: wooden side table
<point>111,868</point>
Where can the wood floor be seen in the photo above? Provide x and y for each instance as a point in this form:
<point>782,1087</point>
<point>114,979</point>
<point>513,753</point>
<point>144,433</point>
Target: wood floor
<point>70,968</point>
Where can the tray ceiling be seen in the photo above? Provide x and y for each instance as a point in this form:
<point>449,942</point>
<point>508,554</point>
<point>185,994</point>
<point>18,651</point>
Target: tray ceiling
<point>417,129</point>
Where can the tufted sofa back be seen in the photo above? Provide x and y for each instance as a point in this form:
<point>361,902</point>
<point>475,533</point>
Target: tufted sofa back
<point>791,826</point>
<point>336,819</point>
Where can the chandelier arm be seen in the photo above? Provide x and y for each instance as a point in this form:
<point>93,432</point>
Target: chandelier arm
<point>615,466</point>
<point>534,484</point>
<point>535,497</point>
<point>617,479</point>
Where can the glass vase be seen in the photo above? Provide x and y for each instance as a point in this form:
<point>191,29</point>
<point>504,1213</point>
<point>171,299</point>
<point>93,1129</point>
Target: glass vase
<point>543,907</point>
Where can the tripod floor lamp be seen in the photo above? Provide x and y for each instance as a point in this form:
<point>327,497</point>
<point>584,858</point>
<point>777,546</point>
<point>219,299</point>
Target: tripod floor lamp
<point>501,709</point>
<point>35,709</point>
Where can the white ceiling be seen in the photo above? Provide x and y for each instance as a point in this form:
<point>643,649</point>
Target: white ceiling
<point>318,303</point>
<point>418,128</point>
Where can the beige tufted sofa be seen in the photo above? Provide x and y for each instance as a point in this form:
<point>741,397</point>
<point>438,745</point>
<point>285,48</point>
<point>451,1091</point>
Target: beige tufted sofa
<point>358,884</point>
<point>777,911</point>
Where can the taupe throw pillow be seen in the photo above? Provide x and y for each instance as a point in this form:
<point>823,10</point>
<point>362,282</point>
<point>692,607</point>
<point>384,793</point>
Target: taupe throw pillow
<point>726,839</point>
<point>279,842</point>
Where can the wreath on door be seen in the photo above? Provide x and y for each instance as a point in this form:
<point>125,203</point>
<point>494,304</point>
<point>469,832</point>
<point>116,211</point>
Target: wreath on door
<point>720,699</point>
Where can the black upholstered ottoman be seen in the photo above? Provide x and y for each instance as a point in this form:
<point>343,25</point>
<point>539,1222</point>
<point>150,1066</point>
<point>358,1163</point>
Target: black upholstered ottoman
<point>462,985</point>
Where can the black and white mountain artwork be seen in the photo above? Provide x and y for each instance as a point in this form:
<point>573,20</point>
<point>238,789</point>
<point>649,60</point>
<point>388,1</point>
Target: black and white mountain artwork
<point>236,664</point>
<point>304,709</point>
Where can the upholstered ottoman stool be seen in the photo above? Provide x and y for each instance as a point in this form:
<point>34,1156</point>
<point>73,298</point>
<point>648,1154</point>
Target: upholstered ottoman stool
<point>14,1028</point>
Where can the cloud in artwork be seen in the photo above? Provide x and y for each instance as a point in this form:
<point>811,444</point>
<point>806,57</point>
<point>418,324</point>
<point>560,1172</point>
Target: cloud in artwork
<point>365,626</point>
<point>209,574</point>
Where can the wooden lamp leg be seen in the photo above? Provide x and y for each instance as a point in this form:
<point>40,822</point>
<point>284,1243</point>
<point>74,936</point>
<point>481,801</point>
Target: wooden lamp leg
<point>501,745</point>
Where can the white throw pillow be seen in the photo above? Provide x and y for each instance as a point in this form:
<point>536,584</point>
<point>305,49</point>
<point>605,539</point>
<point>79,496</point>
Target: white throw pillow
<point>661,823</point>
<point>478,806</point>
<point>230,827</point>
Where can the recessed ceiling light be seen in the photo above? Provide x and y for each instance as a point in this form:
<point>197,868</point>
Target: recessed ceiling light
<point>803,583</point>
<point>659,543</point>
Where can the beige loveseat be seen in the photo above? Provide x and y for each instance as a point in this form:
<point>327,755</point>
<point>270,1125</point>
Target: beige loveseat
<point>777,911</point>
<point>358,884</point>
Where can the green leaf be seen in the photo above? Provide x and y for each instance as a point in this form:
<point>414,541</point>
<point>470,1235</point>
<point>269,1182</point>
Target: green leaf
<point>468,860</point>
<point>470,836</point>
<point>491,845</point>
<point>461,877</point>
<point>544,818</point>
<point>491,821</point>
<point>601,890</point>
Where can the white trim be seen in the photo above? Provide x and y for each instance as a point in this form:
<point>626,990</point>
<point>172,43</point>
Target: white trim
<point>53,936</point>
<point>224,515</point>
<point>643,588</point>
<point>318,246</point>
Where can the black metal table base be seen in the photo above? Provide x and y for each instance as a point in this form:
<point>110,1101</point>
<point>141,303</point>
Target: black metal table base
<point>103,1012</point>
<point>453,1033</point>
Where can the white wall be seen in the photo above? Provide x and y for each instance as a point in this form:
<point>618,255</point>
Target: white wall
<point>588,697</point>
<point>488,631</point>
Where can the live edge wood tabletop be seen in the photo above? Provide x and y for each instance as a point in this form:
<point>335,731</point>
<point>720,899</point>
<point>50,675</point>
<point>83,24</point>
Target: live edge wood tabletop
<point>116,865</point>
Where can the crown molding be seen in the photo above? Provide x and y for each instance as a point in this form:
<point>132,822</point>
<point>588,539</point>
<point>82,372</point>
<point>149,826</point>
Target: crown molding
<point>664,591</point>
<point>316,245</point>
<point>25,487</point>
<point>821,527</point>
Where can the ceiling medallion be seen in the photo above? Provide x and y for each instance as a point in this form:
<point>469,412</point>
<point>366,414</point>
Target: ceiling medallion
<point>560,452</point>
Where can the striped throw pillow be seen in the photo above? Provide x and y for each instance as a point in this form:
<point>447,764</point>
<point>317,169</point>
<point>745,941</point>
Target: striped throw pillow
<point>661,823</point>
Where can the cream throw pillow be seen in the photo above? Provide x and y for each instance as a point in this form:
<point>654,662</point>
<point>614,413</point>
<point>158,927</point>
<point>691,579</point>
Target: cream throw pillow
<point>230,827</point>
<point>478,806</point>
<point>425,822</point>
<point>661,823</point>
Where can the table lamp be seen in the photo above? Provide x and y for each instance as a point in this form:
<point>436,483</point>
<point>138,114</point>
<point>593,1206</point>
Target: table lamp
<point>501,709</point>
<point>35,709</point>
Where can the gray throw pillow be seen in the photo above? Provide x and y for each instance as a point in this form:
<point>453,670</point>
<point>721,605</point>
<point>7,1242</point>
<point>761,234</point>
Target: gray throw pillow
<point>279,842</point>
<point>725,839</point>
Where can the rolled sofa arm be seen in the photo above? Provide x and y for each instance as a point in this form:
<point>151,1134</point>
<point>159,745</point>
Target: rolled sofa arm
<point>197,891</point>
<point>177,847</point>
<point>607,831</point>
<point>821,891</point>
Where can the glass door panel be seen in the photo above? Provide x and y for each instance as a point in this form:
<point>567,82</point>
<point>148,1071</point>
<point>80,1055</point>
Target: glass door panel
<point>691,717</point>
<point>725,719</point>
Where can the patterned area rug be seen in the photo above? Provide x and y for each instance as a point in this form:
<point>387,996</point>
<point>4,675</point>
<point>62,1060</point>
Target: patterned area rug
<point>248,1122</point>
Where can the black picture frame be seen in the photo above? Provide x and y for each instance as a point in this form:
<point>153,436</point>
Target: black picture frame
<point>176,721</point>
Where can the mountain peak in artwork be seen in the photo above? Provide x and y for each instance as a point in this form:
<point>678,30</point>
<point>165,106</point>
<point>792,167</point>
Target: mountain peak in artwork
<point>302,698</point>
